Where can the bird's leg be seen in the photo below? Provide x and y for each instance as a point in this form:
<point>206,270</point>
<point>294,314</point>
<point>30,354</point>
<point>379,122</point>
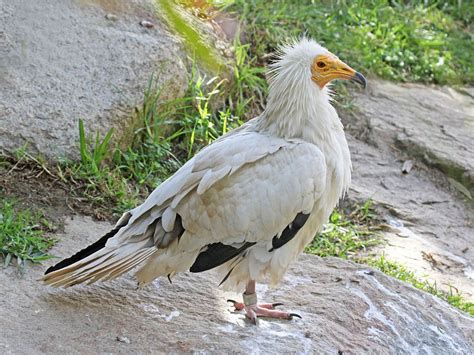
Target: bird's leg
<point>253,310</point>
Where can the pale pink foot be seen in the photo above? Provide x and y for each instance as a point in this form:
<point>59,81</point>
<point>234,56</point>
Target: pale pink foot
<point>267,310</point>
<point>253,309</point>
<point>240,306</point>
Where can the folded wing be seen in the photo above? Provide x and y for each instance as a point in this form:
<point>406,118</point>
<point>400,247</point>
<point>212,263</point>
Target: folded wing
<point>242,190</point>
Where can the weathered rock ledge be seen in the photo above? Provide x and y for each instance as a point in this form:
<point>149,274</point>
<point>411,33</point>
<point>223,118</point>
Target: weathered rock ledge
<point>345,307</point>
<point>428,208</point>
<point>433,124</point>
<point>61,61</point>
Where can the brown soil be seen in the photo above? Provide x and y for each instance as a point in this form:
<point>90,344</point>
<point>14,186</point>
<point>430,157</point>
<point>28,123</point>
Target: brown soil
<point>39,188</point>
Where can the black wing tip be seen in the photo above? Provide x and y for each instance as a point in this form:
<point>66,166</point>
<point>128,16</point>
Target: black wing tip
<point>84,253</point>
<point>50,269</point>
<point>290,231</point>
<point>217,254</point>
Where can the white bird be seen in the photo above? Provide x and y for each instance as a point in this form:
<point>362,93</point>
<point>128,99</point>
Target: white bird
<point>248,203</point>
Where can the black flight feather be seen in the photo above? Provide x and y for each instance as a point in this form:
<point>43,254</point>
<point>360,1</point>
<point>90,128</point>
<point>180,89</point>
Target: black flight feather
<point>290,231</point>
<point>233,267</point>
<point>84,253</point>
<point>217,254</point>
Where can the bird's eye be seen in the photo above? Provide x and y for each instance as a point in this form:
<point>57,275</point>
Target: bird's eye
<point>321,64</point>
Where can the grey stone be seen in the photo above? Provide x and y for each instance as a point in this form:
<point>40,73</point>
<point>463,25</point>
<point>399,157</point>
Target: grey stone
<point>431,224</point>
<point>434,124</point>
<point>61,61</point>
<point>345,307</point>
<point>424,216</point>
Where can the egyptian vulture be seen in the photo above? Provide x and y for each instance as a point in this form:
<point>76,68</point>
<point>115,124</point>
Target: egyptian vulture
<point>248,203</point>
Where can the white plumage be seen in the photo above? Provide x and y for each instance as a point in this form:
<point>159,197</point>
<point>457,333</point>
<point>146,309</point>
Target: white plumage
<point>239,193</point>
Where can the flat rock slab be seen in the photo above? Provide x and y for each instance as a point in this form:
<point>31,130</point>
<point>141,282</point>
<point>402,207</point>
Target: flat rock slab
<point>61,61</point>
<point>428,207</point>
<point>435,124</point>
<point>432,229</point>
<point>345,307</point>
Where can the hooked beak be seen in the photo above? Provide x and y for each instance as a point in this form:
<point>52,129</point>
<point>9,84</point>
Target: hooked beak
<point>328,67</point>
<point>342,71</point>
<point>359,79</point>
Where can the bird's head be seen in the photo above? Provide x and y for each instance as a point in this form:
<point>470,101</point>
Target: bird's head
<point>305,59</point>
<point>298,80</point>
<point>327,67</point>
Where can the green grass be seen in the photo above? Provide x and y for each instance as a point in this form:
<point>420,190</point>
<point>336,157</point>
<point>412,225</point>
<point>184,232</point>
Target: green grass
<point>93,153</point>
<point>396,40</point>
<point>399,271</point>
<point>347,235</point>
<point>22,234</point>
<point>250,88</point>
<point>94,178</point>
<point>169,134</point>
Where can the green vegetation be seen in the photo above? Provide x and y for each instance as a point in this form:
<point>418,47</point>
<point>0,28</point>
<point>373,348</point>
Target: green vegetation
<point>397,40</point>
<point>93,178</point>
<point>346,235</point>
<point>400,272</point>
<point>92,159</point>
<point>249,89</point>
<point>199,49</point>
<point>22,234</point>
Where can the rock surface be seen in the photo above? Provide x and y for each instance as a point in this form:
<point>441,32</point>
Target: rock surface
<point>432,221</point>
<point>345,307</point>
<point>431,228</point>
<point>434,124</point>
<point>61,61</point>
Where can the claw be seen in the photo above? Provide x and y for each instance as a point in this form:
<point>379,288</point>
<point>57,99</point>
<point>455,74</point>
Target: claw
<point>291,315</point>
<point>251,315</point>
<point>237,305</point>
<point>277,304</point>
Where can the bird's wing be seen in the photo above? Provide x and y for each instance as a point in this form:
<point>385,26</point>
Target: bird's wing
<point>243,189</point>
<point>226,155</point>
<point>248,177</point>
<point>253,189</point>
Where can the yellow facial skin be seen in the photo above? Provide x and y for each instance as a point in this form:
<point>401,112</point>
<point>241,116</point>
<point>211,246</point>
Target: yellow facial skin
<point>328,67</point>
